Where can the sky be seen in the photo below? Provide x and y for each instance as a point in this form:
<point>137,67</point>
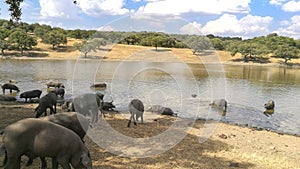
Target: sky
<point>233,18</point>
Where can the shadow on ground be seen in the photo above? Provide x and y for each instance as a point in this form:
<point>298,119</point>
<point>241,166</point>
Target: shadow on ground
<point>161,50</point>
<point>254,60</point>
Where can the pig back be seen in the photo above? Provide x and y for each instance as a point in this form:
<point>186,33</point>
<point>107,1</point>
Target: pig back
<point>35,136</point>
<point>71,120</point>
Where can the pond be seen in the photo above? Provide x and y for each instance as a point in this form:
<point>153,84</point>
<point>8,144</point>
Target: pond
<point>246,88</point>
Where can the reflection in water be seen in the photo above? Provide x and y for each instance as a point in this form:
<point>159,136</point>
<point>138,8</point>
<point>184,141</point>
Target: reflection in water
<point>263,74</point>
<point>268,112</point>
<point>219,111</point>
<point>174,85</point>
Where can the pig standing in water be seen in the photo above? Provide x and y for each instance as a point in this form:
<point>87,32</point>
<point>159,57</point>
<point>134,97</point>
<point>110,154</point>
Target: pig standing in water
<point>220,104</point>
<point>10,87</point>
<point>31,94</point>
<point>54,84</point>
<point>269,106</point>
<point>40,138</point>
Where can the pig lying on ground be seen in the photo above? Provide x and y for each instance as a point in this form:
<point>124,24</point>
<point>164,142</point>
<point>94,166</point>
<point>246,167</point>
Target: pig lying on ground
<point>40,138</point>
<point>47,101</point>
<point>98,85</point>
<point>10,87</point>
<point>7,98</point>
<point>31,94</point>
<point>136,109</point>
<point>54,84</point>
<point>162,110</point>
<point>108,106</point>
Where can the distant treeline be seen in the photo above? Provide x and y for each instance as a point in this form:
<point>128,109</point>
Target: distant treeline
<point>256,48</point>
<point>23,36</point>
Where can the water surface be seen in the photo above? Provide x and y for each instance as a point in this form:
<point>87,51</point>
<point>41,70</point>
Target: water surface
<point>246,88</point>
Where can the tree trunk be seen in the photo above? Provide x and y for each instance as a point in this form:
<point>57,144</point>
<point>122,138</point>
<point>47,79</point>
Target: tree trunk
<point>53,46</point>
<point>85,54</point>
<point>2,52</point>
<point>245,58</point>
<point>286,59</point>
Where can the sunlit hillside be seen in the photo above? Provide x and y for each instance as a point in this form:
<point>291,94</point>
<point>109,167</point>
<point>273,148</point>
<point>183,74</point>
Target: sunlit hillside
<point>122,52</point>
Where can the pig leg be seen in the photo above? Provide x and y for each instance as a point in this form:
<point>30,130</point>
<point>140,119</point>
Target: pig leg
<point>95,116</point>
<point>64,163</point>
<point>142,119</point>
<point>135,120</point>
<point>44,163</point>
<point>102,113</point>
<point>54,163</point>
<point>52,110</point>
<point>5,159</point>
<point>45,113</point>
<point>13,162</point>
<point>55,109</point>
<point>131,117</point>
<point>37,115</point>
<point>29,162</point>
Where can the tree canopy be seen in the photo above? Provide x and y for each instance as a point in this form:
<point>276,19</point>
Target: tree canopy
<point>85,47</point>
<point>55,38</point>
<point>21,36</point>
<point>20,40</point>
<point>15,9</point>
<point>251,49</point>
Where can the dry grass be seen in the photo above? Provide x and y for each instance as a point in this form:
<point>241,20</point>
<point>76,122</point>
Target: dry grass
<point>45,51</point>
<point>120,52</point>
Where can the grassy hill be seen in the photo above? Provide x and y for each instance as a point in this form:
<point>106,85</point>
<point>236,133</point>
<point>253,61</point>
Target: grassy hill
<point>121,52</point>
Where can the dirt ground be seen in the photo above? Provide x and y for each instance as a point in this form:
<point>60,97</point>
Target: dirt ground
<point>229,146</point>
